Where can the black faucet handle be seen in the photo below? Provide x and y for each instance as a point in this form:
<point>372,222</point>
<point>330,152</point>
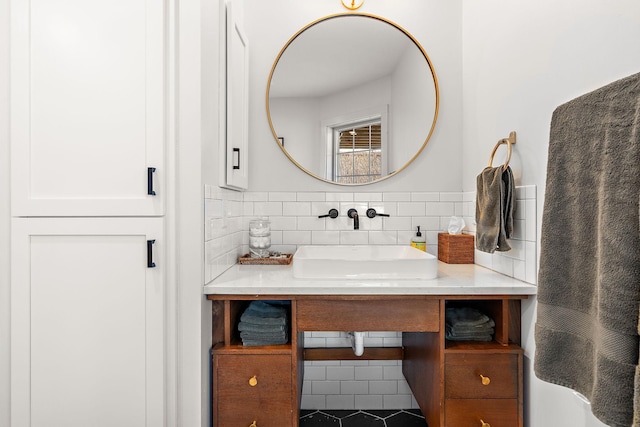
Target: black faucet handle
<point>371,213</point>
<point>333,213</point>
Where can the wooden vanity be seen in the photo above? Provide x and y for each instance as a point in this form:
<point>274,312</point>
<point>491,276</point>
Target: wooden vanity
<point>456,384</point>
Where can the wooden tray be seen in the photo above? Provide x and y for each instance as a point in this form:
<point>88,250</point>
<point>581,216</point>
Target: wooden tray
<point>285,259</point>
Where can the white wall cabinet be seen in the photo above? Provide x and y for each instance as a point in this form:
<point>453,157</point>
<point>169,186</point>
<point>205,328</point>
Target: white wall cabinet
<point>89,115</point>
<point>237,105</point>
<point>87,335</point>
<point>87,107</point>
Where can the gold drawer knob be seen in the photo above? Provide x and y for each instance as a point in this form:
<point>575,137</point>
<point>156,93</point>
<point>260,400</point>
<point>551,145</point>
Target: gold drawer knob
<point>485,381</point>
<point>485,424</point>
<point>253,424</point>
<point>253,381</point>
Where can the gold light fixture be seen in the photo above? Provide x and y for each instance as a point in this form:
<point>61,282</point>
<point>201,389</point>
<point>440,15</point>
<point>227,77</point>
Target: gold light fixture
<point>352,4</point>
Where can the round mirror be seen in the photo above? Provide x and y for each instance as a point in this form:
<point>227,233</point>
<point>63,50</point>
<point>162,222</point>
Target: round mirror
<point>352,99</point>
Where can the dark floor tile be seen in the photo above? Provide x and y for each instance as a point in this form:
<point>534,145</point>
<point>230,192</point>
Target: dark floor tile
<point>318,419</point>
<point>340,413</point>
<point>406,419</point>
<point>362,419</point>
<point>382,413</point>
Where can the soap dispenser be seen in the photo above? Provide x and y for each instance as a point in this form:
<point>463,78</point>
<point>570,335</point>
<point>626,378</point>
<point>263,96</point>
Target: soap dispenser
<point>419,241</point>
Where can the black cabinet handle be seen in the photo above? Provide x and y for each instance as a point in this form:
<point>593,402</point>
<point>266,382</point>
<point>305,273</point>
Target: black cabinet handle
<point>150,172</point>
<point>236,150</point>
<point>150,263</point>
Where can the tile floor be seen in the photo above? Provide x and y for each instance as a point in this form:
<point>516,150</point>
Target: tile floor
<point>362,418</point>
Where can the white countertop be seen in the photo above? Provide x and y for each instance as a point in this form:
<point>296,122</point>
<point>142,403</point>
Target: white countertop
<point>453,279</point>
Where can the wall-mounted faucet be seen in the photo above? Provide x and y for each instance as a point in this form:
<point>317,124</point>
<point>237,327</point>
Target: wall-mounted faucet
<point>352,213</point>
<point>371,213</point>
<point>333,213</point>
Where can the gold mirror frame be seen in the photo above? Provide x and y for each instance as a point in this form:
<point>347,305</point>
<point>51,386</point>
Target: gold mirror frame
<point>422,51</point>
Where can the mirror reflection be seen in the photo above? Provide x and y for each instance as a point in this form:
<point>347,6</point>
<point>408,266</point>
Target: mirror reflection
<point>352,99</point>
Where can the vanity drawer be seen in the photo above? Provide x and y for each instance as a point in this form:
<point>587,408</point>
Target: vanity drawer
<point>470,412</point>
<point>464,374</point>
<point>251,388</point>
<point>404,315</point>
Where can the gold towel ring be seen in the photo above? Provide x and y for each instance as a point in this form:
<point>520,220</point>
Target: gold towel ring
<point>509,141</point>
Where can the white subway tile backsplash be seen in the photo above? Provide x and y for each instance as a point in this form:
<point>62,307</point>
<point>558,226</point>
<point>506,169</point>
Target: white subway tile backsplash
<point>397,223</point>
<point>343,401</point>
<point>312,223</point>
<point>396,197</point>
<point>283,223</point>
<point>425,197</point>
<point>354,238</point>
<point>382,387</point>
<point>367,197</point>
<point>339,197</point>
<point>369,373</point>
<point>325,387</point>
<point>451,197</point>
<point>394,401</point>
<point>282,196</point>
<point>342,373</point>
<point>296,237</point>
<point>310,197</point>
<point>383,238</point>
<point>310,401</point>
<point>267,208</point>
<point>368,401</point>
<point>354,387</point>
<point>296,208</point>
<point>325,237</point>
<point>411,209</point>
<point>256,196</point>
<point>440,208</point>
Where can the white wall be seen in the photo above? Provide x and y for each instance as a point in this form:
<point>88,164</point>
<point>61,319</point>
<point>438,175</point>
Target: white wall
<point>5,229</point>
<point>520,61</point>
<point>435,24</point>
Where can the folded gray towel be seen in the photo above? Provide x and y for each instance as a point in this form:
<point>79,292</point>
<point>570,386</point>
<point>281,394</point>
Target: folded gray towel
<point>458,330</point>
<point>494,209</point>
<point>465,316</point>
<point>254,343</point>
<point>261,309</point>
<point>254,327</point>
<point>256,320</point>
<point>262,336</point>
<point>468,324</point>
<point>470,337</point>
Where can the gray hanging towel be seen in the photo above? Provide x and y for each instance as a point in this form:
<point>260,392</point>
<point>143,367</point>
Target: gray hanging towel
<point>494,209</point>
<point>589,279</point>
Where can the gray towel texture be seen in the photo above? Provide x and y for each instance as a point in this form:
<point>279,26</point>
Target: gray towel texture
<point>587,331</point>
<point>264,324</point>
<point>256,327</point>
<point>495,192</point>
<point>468,324</point>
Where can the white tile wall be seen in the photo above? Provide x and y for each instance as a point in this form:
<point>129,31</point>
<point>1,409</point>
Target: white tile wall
<point>224,213</point>
<point>521,261</point>
<point>294,221</point>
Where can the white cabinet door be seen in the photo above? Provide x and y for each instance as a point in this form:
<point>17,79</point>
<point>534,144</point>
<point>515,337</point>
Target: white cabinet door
<point>237,102</point>
<point>87,107</point>
<point>87,332</point>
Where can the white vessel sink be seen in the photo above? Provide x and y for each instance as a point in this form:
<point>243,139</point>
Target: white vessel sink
<point>363,262</point>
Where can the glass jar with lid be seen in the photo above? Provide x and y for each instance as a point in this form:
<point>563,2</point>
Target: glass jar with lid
<point>259,237</point>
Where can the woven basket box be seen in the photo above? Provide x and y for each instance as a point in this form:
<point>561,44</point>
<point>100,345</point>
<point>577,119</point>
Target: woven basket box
<point>456,248</point>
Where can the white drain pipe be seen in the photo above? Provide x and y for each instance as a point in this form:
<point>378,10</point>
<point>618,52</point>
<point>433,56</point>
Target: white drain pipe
<point>357,342</point>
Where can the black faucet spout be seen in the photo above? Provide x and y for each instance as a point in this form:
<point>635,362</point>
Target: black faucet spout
<point>352,213</point>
